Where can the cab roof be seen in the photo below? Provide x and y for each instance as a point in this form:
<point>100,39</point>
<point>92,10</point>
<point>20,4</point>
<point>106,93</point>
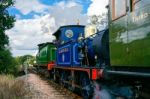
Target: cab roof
<point>58,31</point>
<point>44,44</point>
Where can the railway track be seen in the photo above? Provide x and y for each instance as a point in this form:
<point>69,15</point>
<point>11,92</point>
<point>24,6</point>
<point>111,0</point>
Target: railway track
<point>61,91</point>
<point>57,90</point>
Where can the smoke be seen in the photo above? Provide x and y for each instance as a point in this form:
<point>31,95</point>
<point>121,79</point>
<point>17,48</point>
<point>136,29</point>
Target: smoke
<point>100,92</point>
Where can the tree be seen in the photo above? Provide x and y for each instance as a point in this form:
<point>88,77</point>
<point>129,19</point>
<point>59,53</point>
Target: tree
<point>28,58</point>
<point>101,21</point>
<point>6,22</point>
<point>7,62</point>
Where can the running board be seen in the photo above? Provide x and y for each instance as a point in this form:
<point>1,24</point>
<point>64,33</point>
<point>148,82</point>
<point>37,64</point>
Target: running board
<point>128,73</point>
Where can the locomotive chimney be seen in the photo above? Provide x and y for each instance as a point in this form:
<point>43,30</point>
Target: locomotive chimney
<point>78,22</point>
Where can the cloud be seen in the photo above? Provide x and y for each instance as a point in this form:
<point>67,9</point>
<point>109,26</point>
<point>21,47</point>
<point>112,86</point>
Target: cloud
<point>97,7</point>
<point>24,52</point>
<point>68,13</point>
<point>27,33</point>
<point>27,6</point>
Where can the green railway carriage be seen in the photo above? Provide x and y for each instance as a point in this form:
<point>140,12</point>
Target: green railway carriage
<point>46,54</point>
<point>129,23</point>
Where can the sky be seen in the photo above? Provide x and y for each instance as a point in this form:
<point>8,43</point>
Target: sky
<point>37,20</point>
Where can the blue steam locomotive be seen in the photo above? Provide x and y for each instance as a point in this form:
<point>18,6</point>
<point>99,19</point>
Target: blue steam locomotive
<point>74,50</point>
<point>82,55</point>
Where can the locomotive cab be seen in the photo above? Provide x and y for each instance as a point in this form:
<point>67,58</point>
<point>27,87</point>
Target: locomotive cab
<point>46,54</point>
<point>67,45</point>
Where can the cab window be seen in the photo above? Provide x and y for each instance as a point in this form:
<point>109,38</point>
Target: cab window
<point>139,3</point>
<point>118,8</point>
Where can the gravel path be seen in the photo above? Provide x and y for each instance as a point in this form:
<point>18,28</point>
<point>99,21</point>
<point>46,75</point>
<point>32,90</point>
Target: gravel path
<point>42,89</point>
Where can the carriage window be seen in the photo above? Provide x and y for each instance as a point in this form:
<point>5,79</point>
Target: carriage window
<point>118,8</point>
<point>139,3</point>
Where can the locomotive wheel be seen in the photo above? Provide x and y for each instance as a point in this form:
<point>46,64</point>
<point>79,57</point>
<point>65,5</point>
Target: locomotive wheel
<point>50,74</point>
<point>70,87</point>
<point>62,79</point>
<point>86,90</point>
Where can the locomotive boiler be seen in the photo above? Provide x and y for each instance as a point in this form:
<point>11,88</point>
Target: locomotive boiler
<point>94,48</point>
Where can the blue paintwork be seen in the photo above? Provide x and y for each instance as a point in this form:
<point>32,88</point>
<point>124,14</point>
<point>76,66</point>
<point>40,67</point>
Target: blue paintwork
<point>67,54</point>
<point>64,55</point>
<point>91,53</point>
<point>76,61</point>
<point>76,32</point>
<point>67,47</point>
<point>61,36</point>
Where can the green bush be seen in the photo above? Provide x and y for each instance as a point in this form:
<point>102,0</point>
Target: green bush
<point>7,63</point>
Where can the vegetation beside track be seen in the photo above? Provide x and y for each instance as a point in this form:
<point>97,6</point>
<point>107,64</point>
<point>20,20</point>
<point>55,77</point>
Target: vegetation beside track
<point>11,88</point>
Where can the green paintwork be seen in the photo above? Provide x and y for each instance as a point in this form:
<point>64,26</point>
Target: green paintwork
<point>130,38</point>
<point>47,53</point>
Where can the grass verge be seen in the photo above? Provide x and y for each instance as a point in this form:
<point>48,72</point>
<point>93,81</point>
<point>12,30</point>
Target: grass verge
<point>10,88</point>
